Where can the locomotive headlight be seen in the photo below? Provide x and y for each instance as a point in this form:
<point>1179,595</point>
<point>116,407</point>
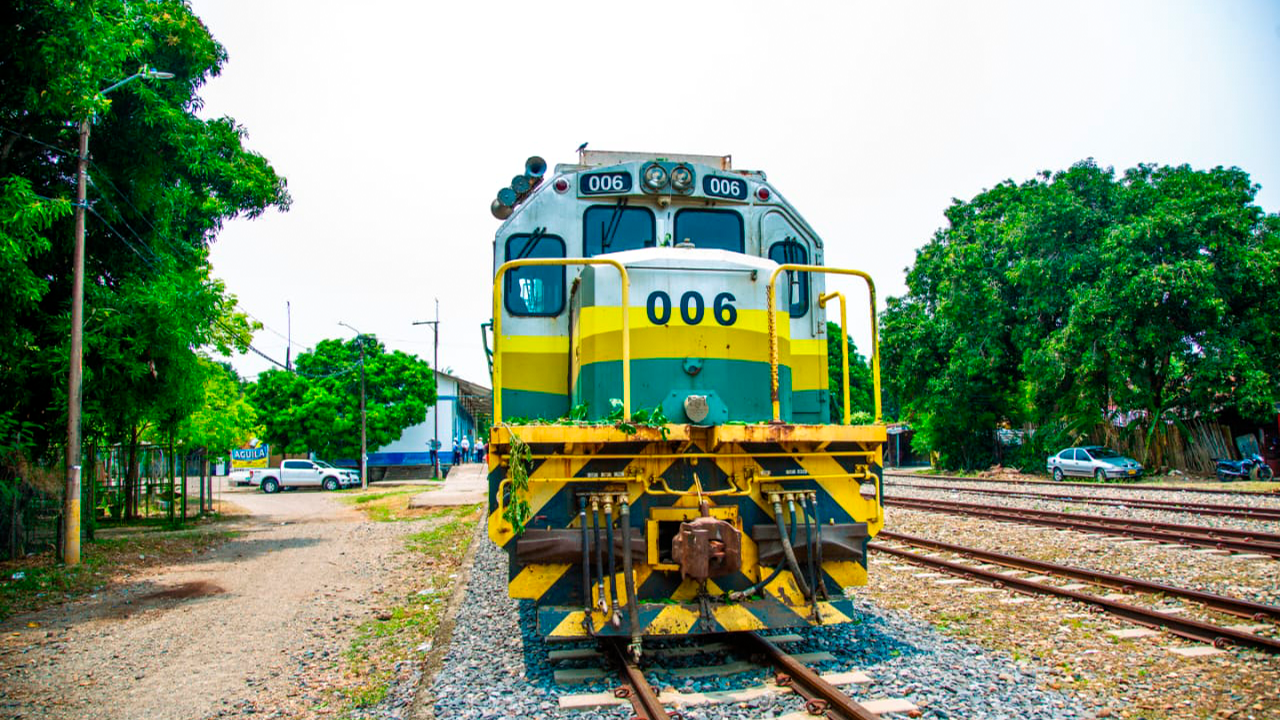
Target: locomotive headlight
<point>655,177</point>
<point>682,179</point>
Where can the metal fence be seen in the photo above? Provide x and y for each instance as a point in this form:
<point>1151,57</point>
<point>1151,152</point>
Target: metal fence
<point>31,517</point>
<point>30,520</point>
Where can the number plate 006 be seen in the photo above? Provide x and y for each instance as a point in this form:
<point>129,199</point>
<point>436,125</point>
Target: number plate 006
<point>606,183</point>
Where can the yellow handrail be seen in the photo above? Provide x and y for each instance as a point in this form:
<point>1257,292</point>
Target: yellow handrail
<point>773,333</point>
<point>497,325</point>
<point>844,345</point>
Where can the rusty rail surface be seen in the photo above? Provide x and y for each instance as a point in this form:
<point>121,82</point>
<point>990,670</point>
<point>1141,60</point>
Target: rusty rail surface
<point>822,699</point>
<point>1109,486</point>
<point>1200,536</point>
<point>1241,511</point>
<point>636,689</point>
<point>1230,605</point>
<point>1182,627</point>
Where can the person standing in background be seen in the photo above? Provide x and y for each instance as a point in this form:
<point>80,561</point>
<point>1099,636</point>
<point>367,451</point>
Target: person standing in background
<point>466,449</point>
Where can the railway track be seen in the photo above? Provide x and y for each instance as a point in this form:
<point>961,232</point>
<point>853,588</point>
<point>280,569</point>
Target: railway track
<point>1216,538</point>
<point>1199,631</point>
<point>1233,606</point>
<point>822,698</point>
<point>1213,509</point>
<point>1109,486</point>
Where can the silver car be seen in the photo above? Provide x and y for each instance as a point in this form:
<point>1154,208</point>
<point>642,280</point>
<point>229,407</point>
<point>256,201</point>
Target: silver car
<point>1100,462</point>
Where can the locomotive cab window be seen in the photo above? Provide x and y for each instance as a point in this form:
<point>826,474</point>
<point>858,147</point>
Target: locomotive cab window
<point>614,228</point>
<point>790,252</point>
<point>534,291</point>
<point>710,229</point>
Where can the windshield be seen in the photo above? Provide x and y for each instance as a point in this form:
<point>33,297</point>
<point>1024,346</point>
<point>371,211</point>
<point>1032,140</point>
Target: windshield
<point>710,229</point>
<point>322,463</point>
<point>613,228</point>
<point>1102,453</point>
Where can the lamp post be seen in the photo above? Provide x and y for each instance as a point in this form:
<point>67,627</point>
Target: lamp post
<point>364,451</point>
<point>435,370</point>
<point>71,503</point>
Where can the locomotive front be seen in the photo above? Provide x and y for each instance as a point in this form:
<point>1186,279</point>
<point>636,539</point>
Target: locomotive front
<point>662,461</point>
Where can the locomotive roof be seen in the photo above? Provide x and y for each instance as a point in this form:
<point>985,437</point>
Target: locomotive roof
<point>604,158</point>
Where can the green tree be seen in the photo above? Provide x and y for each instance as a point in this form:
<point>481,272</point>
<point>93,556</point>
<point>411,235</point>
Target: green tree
<point>1076,296</point>
<point>162,182</point>
<point>317,408</point>
<point>860,387</point>
<point>225,419</point>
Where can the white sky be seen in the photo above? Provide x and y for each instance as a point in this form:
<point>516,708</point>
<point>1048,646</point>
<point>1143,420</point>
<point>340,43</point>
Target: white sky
<point>395,124</point>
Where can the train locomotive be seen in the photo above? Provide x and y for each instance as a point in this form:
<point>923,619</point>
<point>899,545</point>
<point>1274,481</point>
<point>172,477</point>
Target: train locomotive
<point>663,460</point>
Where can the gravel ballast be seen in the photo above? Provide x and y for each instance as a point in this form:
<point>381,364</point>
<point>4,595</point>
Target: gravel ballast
<point>496,667</point>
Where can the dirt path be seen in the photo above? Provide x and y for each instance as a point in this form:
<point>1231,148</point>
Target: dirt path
<point>252,626</point>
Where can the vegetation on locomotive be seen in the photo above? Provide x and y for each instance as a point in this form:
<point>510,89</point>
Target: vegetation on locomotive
<point>662,462</point>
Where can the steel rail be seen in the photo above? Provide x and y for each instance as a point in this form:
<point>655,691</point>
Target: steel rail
<point>1182,627</point>
<point>1230,605</point>
<point>1165,532</point>
<point>1169,505</point>
<point>1123,523</point>
<point>637,690</point>
<point>1145,503</point>
<point>821,697</point>
<point>1158,488</point>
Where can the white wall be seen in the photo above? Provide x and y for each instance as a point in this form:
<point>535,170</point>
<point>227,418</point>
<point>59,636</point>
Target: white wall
<point>417,438</point>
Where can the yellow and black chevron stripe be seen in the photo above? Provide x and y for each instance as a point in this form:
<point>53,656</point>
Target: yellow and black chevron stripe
<point>738,470</point>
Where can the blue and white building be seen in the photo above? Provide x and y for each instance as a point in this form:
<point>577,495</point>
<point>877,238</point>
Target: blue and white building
<point>459,406</point>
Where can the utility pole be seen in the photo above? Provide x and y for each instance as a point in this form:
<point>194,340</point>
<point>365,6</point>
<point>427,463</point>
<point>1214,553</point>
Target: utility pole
<point>364,449</point>
<point>435,368</point>
<point>71,509</point>
<point>75,376</point>
<point>364,440</point>
<point>288,348</point>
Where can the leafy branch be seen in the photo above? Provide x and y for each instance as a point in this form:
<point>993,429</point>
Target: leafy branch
<point>517,509</point>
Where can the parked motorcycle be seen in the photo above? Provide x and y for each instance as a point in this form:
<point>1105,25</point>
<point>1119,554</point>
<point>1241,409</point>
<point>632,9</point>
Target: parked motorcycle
<point>1250,468</point>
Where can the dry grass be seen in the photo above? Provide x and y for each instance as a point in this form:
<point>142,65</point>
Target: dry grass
<point>423,582</point>
<point>38,581</point>
<point>388,505</point>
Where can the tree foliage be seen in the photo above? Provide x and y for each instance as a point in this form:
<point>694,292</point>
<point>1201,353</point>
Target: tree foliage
<point>162,181</point>
<point>860,388</point>
<point>1079,297</point>
<point>225,419</point>
<point>317,408</point>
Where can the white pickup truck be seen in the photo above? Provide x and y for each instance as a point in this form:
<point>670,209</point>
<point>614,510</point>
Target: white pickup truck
<point>303,473</point>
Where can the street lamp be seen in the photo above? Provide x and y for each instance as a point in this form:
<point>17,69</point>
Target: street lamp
<point>71,504</point>
<point>364,451</point>
<point>435,369</point>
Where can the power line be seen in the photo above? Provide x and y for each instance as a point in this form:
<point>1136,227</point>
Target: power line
<point>155,257</point>
<point>218,322</point>
<point>25,136</point>
<point>124,239</point>
<point>127,226</point>
<point>273,331</point>
<point>294,371</point>
<point>173,245</point>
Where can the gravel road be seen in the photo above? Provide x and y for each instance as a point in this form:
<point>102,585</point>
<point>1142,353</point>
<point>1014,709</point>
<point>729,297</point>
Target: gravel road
<point>250,626</point>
